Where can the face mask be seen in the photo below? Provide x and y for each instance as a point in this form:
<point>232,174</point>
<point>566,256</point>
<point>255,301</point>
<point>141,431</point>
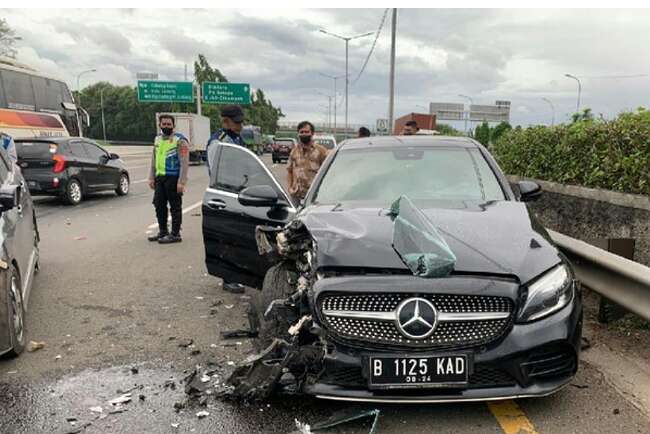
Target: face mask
<point>305,139</point>
<point>167,131</point>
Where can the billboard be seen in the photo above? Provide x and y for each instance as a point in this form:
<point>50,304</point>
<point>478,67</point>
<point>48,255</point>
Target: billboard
<point>447,111</point>
<point>500,112</point>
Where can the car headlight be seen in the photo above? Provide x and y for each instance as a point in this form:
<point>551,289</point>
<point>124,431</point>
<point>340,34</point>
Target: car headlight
<point>548,294</point>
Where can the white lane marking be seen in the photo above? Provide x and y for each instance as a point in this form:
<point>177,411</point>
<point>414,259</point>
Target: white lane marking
<point>135,167</point>
<point>185,210</point>
<point>139,181</point>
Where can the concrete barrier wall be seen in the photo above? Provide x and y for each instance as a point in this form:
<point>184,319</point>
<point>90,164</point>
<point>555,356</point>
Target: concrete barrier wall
<point>589,213</point>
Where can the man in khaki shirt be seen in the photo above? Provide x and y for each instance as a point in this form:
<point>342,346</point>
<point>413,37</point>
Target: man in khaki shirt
<point>304,161</point>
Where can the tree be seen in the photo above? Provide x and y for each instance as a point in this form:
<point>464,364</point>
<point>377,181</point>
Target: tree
<point>482,134</point>
<point>585,115</point>
<point>7,40</point>
<point>448,130</point>
<point>498,131</point>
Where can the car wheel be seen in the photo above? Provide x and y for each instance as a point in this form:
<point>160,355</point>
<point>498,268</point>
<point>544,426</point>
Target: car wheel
<point>123,186</point>
<point>73,192</point>
<point>16,313</point>
<point>276,286</point>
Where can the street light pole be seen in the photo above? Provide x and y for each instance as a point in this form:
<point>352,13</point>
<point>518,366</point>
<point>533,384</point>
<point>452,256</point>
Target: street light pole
<point>335,78</point>
<point>552,110</point>
<point>579,90</point>
<point>347,75</point>
<point>101,103</point>
<point>391,83</point>
<point>78,77</point>
<point>468,111</point>
<point>81,124</point>
<point>329,108</point>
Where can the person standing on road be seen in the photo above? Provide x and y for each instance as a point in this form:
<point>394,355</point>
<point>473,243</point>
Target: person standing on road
<point>9,145</point>
<point>410,128</point>
<point>363,132</point>
<point>232,117</point>
<point>304,161</point>
<point>167,177</point>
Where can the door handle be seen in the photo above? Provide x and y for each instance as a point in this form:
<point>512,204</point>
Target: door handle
<point>216,204</point>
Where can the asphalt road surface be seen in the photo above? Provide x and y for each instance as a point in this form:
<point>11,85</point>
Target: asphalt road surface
<point>113,308</point>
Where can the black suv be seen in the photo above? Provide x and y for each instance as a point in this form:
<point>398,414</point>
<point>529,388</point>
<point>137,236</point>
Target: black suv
<point>414,272</point>
<point>70,167</point>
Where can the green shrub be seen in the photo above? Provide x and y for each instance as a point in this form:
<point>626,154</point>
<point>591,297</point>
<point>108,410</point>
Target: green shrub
<point>612,155</point>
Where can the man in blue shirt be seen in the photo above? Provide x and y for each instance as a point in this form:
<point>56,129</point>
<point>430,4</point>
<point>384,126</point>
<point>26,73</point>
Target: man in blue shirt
<point>232,117</point>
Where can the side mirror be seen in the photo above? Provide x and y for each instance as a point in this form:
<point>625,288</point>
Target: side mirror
<point>529,191</point>
<point>114,156</point>
<point>9,197</point>
<point>258,195</point>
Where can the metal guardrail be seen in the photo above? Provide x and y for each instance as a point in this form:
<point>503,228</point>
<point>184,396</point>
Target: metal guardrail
<point>623,281</point>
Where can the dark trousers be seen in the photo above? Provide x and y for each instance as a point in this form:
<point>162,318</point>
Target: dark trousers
<point>164,193</point>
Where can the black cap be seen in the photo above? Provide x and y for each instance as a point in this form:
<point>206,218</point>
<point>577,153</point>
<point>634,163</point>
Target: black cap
<point>233,112</point>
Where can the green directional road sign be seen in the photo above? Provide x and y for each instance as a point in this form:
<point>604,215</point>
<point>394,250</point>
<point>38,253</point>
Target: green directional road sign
<point>226,93</point>
<point>165,91</point>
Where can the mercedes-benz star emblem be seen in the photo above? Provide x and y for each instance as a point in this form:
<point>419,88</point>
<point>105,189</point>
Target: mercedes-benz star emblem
<point>416,318</point>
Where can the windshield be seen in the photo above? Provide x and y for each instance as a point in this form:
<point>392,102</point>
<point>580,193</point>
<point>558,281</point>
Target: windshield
<point>422,173</point>
<point>35,149</point>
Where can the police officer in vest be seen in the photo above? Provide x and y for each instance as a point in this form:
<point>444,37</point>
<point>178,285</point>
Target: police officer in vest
<point>232,117</point>
<point>167,177</point>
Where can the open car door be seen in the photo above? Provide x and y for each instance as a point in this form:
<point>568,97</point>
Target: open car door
<point>242,195</point>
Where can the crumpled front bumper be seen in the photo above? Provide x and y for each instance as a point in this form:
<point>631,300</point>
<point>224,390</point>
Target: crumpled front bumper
<point>532,360</point>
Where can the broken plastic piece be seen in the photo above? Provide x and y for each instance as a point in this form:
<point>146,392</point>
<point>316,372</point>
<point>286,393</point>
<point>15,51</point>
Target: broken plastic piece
<point>201,414</point>
<point>35,346</point>
<point>418,242</point>
<point>348,415</point>
<point>120,399</point>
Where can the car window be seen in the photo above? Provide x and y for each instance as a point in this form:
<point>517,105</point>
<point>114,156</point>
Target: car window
<point>77,149</point>
<point>237,169</point>
<point>48,93</point>
<point>422,173</point>
<point>94,152</point>
<point>36,150</point>
<point>18,90</point>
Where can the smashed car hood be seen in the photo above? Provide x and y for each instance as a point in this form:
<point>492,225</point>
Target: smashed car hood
<point>500,238</point>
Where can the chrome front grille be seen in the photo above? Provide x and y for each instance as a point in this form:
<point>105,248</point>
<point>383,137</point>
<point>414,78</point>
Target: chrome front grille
<point>462,320</point>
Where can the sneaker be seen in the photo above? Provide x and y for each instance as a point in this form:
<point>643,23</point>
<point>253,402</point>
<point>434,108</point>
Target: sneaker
<point>169,239</point>
<point>157,236</point>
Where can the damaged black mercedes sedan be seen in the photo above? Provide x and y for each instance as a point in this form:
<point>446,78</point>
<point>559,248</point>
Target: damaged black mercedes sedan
<point>412,272</point>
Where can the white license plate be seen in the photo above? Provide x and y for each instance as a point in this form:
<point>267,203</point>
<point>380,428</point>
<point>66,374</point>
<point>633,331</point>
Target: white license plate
<point>418,371</point>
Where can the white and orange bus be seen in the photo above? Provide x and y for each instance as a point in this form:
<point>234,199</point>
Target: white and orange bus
<point>35,105</point>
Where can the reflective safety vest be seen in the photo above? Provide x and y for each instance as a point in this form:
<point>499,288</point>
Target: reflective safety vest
<point>168,162</point>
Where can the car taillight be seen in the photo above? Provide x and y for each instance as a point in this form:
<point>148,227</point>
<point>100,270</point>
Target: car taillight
<point>59,163</point>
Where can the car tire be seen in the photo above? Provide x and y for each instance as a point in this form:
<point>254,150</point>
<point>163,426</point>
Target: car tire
<point>73,192</point>
<point>276,286</point>
<point>16,310</point>
<point>123,185</point>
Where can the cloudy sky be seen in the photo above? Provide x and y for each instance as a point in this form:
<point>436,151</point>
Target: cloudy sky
<point>517,55</point>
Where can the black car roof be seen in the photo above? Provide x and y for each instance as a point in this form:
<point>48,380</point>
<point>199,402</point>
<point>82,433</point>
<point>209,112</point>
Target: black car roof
<point>415,141</point>
<point>46,139</point>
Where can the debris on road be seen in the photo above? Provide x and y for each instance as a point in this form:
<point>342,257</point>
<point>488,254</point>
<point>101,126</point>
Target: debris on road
<point>232,334</point>
<point>121,399</point>
<point>201,414</point>
<point>35,346</point>
<point>349,415</point>
<point>134,370</point>
<point>186,343</point>
<point>80,238</point>
<point>57,357</point>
